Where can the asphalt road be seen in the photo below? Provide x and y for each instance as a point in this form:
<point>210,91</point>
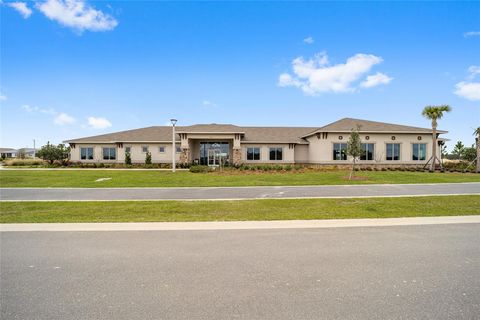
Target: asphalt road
<point>13,194</point>
<point>409,272</point>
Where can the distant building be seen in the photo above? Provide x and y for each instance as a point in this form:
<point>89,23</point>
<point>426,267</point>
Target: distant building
<point>29,152</point>
<point>383,144</point>
<point>8,152</point>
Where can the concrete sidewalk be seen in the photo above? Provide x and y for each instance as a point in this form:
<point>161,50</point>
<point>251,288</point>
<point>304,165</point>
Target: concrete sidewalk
<point>238,193</point>
<point>237,225</point>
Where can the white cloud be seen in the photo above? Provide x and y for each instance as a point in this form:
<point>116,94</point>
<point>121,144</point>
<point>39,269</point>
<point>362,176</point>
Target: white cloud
<point>98,123</point>
<point>208,103</point>
<point>472,34</point>
<point>77,14</point>
<point>59,118</point>
<point>21,7</point>
<point>473,70</point>
<point>63,119</point>
<point>308,40</point>
<point>316,75</point>
<point>375,80</point>
<point>3,97</point>
<point>468,90</point>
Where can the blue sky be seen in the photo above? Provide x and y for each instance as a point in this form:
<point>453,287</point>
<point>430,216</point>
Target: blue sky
<point>72,68</point>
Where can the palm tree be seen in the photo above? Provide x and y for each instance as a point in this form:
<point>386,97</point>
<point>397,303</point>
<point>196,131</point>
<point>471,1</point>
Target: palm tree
<point>477,133</point>
<point>434,113</point>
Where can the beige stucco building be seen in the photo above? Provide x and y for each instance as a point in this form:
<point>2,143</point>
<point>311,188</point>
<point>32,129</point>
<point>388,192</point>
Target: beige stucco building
<point>212,144</point>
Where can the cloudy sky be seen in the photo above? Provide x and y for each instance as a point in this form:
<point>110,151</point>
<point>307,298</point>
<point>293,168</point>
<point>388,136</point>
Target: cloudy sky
<point>73,68</point>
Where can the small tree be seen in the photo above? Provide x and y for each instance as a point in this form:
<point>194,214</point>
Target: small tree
<point>148,158</point>
<point>52,153</point>
<point>459,149</point>
<point>128,158</point>
<point>470,154</point>
<point>354,148</point>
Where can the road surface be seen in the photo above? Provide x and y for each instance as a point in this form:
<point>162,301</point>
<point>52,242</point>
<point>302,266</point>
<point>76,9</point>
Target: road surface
<point>402,272</point>
<point>224,193</point>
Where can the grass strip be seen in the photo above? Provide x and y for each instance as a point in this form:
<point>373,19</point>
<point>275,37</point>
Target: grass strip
<point>87,178</point>
<point>269,209</point>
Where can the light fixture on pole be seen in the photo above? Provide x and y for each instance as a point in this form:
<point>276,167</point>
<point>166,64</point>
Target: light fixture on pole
<point>174,148</point>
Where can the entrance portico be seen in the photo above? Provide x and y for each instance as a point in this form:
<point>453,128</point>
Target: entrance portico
<point>209,148</point>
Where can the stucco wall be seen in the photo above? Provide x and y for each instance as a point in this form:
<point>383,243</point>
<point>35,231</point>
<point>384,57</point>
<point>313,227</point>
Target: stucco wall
<point>136,153</point>
<point>288,153</point>
<point>321,149</point>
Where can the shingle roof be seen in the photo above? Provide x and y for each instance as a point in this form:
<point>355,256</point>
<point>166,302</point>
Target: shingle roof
<point>7,150</point>
<point>250,134</point>
<point>347,124</point>
<point>164,134</point>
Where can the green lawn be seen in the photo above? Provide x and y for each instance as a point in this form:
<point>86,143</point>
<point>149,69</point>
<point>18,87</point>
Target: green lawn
<point>270,209</point>
<point>86,178</point>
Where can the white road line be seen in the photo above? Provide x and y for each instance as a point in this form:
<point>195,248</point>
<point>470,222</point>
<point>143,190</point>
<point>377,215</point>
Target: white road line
<point>238,225</point>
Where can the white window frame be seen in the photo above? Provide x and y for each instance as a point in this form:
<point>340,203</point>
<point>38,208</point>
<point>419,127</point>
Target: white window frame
<point>426,150</point>
<point>109,155</point>
<point>399,151</point>
<point>160,149</point>
<point>276,153</point>
<point>143,147</point>
<point>333,149</point>
<point>373,153</point>
<point>86,153</point>
<point>259,153</point>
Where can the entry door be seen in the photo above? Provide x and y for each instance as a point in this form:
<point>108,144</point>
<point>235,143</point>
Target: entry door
<point>212,159</point>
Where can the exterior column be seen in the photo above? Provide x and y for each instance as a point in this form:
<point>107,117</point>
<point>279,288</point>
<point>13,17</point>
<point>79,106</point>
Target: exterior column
<point>237,150</point>
<point>237,156</point>
<point>184,156</point>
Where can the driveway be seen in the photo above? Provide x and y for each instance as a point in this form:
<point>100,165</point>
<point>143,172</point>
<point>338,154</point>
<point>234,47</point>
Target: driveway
<point>225,193</point>
<point>402,272</point>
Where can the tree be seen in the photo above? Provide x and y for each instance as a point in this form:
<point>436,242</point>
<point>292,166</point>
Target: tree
<point>128,158</point>
<point>148,158</point>
<point>354,148</point>
<point>52,153</point>
<point>470,154</point>
<point>459,149</point>
<point>477,140</point>
<point>434,113</point>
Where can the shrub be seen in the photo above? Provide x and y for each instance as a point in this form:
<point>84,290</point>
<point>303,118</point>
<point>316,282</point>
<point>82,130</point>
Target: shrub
<point>199,169</point>
<point>128,158</point>
<point>24,162</point>
<point>148,158</point>
<point>288,167</point>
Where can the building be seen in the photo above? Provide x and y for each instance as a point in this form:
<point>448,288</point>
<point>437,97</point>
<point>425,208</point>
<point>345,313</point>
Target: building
<point>210,144</point>
<point>8,153</point>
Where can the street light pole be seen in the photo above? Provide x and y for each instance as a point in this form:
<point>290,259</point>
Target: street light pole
<point>174,148</point>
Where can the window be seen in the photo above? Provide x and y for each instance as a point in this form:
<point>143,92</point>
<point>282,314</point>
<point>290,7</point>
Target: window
<point>109,154</point>
<point>276,154</point>
<point>128,149</point>
<point>86,153</point>
<point>253,153</point>
<point>393,151</point>
<point>179,150</point>
<point>161,149</point>
<point>144,149</point>
<point>368,151</point>
<point>339,151</point>
<point>419,151</point>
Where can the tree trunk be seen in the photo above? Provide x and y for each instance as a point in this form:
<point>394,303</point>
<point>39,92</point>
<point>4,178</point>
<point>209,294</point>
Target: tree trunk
<point>353,170</point>
<point>434,145</point>
<point>478,152</point>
